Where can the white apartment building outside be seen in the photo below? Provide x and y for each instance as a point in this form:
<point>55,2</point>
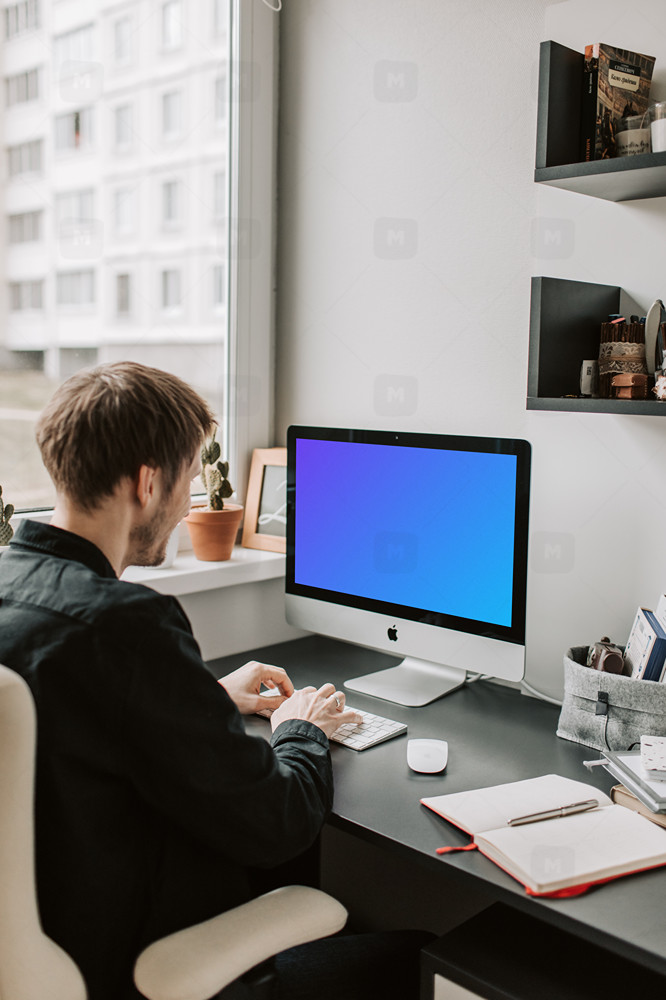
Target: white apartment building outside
<point>115,126</point>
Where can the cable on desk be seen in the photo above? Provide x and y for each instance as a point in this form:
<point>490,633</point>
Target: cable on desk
<point>539,694</point>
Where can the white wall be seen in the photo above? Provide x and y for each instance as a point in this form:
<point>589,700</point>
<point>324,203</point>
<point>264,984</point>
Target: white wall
<point>424,114</point>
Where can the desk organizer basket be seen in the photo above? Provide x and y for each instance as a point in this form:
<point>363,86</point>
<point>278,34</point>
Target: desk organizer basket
<point>608,711</point>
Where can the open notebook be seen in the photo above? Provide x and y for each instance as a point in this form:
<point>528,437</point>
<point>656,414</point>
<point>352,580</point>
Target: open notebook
<point>562,856</point>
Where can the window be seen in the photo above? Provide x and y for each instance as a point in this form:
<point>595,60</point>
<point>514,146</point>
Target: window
<point>171,289</point>
<point>171,111</point>
<point>74,205</point>
<point>123,286</point>
<point>25,158</point>
<point>75,288</point>
<point>26,227</point>
<point>74,47</point>
<point>25,296</point>
<point>220,17</point>
<point>171,24</point>
<point>124,211</point>
<point>219,195</point>
<point>220,100</point>
<point>22,87</point>
<point>74,130</point>
<point>122,126</point>
<point>122,41</point>
<point>78,295</point>
<point>171,199</point>
<point>20,17</point>
<point>219,286</point>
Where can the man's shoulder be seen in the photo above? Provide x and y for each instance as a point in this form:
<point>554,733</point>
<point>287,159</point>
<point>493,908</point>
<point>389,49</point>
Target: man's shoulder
<point>69,588</point>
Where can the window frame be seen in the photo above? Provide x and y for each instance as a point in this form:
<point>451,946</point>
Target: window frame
<point>251,281</point>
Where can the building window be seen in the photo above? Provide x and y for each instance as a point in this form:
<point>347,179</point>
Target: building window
<point>75,288</point>
<point>74,47</point>
<point>220,17</point>
<point>219,286</point>
<point>122,41</point>
<point>171,290</point>
<point>22,87</point>
<point>172,28</point>
<point>122,127</point>
<point>171,113</point>
<point>171,203</point>
<point>25,158</point>
<point>20,17</point>
<point>221,100</point>
<point>25,227</point>
<point>123,296</point>
<point>219,195</point>
<point>74,205</point>
<point>124,211</point>
<point>25,296</point>
<point>74,130</point>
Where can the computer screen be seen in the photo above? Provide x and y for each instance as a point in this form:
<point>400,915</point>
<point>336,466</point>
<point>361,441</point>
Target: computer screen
<point>415,544</point>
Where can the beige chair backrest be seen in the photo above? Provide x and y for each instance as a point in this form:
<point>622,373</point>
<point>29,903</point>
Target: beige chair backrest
<point>32,966</point>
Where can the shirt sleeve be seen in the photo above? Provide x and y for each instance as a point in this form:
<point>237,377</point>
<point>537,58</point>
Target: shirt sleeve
<point>188,756</point>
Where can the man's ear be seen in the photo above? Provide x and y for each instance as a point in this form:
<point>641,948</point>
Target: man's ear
<point>146,483</point>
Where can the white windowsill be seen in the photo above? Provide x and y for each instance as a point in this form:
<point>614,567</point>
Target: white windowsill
<point>189,575</point>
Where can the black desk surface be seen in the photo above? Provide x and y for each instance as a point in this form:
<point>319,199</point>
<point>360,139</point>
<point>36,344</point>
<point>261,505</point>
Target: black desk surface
<point>495,735</point>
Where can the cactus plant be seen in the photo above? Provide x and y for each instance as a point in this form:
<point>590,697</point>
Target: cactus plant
<point>214,474</point>
<point>6,530</point>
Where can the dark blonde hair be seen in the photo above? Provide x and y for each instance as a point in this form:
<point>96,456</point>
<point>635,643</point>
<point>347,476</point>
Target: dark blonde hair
<point>104,423</point>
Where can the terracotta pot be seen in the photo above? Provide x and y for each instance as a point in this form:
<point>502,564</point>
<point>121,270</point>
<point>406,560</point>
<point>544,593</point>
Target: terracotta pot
<point>213,532</point>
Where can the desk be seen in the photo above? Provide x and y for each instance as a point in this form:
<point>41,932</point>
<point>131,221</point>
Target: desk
<point>495,735</point>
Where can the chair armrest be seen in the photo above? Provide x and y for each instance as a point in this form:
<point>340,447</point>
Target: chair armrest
<point>198,961</point>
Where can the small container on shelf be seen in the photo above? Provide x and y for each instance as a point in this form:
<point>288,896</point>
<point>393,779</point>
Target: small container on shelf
<point>658,126</point>
<point>621,352</point>
<point>633,135</point>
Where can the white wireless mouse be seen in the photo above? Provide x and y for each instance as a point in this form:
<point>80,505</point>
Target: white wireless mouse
<point>427,756</point>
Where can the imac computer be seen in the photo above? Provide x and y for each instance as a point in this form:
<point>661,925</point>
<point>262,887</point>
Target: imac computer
<point>413,544</point>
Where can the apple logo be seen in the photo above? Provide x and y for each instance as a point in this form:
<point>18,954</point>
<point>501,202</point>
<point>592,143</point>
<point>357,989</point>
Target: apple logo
<point>392,633</point>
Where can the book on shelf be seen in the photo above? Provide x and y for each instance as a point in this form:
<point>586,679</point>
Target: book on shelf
<point>562,856</point>
<point>627,768</point>
<point>623,796</point>
<point>645,652</point>
<point>616,84</point>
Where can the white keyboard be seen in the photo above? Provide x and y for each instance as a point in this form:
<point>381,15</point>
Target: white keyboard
<point>373,730</point>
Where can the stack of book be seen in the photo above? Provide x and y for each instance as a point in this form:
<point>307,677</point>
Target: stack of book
<point>645,652</point>
<point>630,386</point>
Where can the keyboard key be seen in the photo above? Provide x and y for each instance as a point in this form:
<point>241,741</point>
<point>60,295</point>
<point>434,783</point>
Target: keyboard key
<point>373,730</point>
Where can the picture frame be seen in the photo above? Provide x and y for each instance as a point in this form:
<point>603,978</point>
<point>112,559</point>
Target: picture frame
<point>265,525</point>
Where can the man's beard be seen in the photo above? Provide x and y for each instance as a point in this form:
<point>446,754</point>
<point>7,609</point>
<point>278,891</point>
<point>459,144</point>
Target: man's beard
<point>147,544</point>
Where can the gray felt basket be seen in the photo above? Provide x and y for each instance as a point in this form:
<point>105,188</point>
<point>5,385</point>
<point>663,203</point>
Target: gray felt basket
<point>608,711</point>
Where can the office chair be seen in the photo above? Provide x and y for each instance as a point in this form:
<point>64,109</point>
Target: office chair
<point>192,964</point>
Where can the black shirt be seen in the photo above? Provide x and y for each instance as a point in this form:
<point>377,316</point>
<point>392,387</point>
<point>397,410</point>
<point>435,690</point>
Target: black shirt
<point>151,800</point>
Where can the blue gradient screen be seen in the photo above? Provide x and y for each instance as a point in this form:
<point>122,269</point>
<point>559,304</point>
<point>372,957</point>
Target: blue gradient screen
<point>424,528</point>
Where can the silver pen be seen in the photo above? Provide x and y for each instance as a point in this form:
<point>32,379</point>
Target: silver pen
<point>575,807</point>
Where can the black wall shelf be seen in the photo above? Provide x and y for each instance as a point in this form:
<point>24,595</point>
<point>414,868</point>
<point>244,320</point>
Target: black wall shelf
<point>565,318</point>
<point>625,178</point>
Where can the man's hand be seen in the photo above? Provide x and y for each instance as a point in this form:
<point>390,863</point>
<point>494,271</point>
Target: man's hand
<point>324,708</point>
<point>243,686</point>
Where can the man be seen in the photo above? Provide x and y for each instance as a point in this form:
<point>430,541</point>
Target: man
<point>153,807</point>
<point>150,800</point>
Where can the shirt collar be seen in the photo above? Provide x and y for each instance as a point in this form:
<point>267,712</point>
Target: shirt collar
<point>61,543</point>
